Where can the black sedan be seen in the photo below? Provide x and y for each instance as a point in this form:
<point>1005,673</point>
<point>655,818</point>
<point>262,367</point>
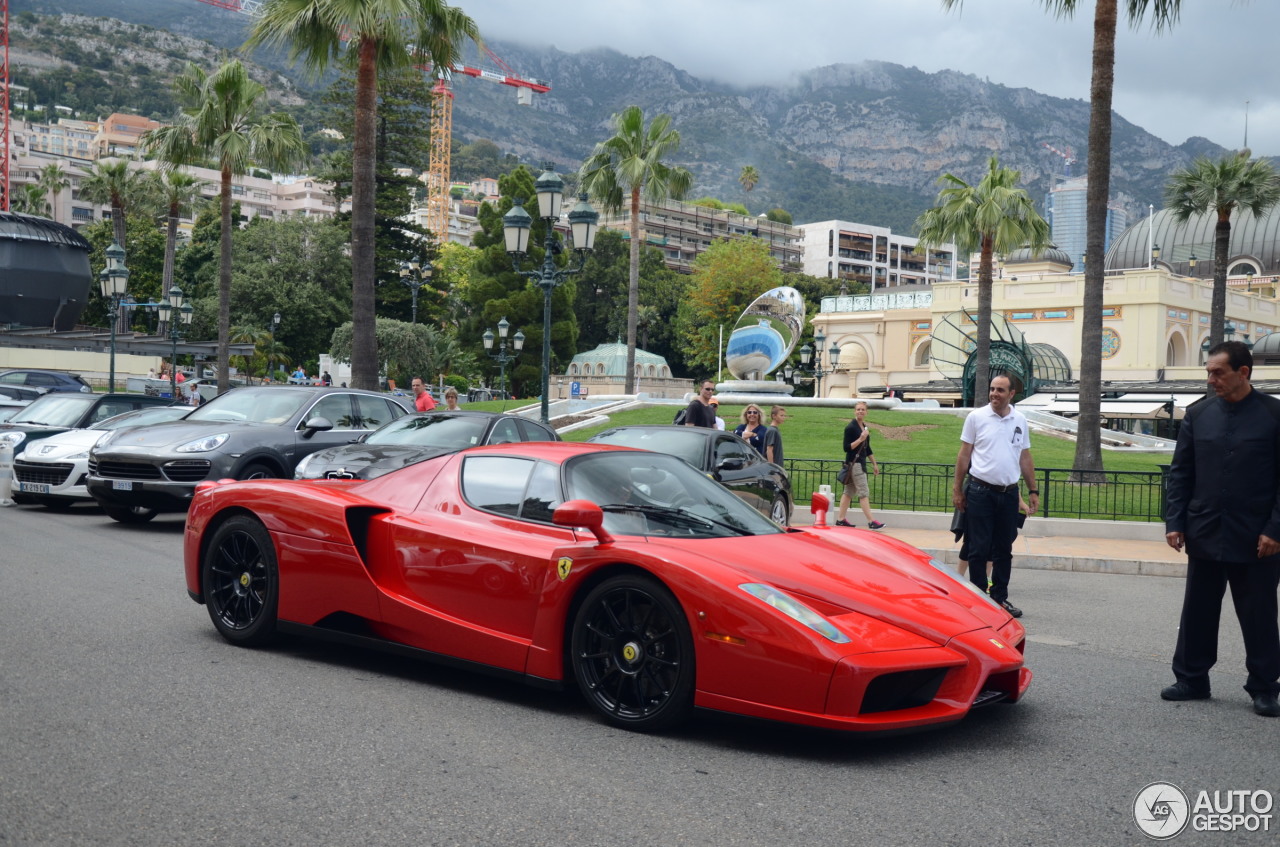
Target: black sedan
<point>60,411</point>
<point>247,433</point>
<point>416,438</point>
<point>723,456</point>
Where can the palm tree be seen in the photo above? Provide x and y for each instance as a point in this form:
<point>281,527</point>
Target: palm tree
<point>179,190</point>
<point>114,184</point>
<point>748,178</point>
<point>221,119</point>
<point>53,179</point>
<point>992,216</point>
<point>1220,188</point>
<point>624,166</point>
<point>29,199</point>
<point>383,34</point>
<point>1164,13</point>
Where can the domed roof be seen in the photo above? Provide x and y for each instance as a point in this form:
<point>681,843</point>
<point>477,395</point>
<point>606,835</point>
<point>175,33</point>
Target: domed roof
<point>614,358</point>
<point>1267,345</point>
<point>1052,253</point>
<point>1256,240</point>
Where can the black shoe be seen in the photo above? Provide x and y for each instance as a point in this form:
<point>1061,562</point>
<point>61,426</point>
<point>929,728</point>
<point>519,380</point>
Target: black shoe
<point>846,523</point>
<point>1183,691</point>
<point>1266,705</point>
<point>1010,608</point>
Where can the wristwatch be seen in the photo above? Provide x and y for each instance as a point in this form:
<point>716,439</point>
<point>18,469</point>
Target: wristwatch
<point>1033,490</point>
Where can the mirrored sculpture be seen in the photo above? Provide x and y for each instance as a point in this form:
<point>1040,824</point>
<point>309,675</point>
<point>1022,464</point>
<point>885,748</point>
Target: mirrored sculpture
<point>765,335</point>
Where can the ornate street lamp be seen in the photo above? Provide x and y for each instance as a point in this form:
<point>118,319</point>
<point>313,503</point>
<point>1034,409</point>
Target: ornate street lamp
<point>516,226</point>
<point>1155,255</point>
<point>1191,263</point>
<point>415,274</point>
<point>814,354</point>
<point>502,357</point>
<point>114,281</point>
<point>176,314</point>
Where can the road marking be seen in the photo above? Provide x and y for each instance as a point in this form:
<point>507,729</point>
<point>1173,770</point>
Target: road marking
<point>1051,639</point>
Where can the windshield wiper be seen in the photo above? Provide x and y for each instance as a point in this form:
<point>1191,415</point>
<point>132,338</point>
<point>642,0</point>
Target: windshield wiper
<point>674,515</point>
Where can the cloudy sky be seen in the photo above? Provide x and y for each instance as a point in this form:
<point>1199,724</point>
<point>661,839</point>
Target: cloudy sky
<point>1192,80</point>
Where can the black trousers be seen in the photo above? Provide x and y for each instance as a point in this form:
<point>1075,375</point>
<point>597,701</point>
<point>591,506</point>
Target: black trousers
<point>1253,592</point>
<point>990,526</point>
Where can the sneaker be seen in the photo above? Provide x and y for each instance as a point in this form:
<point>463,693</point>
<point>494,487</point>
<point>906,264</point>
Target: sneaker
<point>876,525</point>
<point>1010,608</point>
<point>846,523</point>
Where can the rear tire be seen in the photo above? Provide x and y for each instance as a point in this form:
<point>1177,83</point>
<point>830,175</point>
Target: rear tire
<point>257,470</point>
<point>130,514</point>
<point>241,581</point>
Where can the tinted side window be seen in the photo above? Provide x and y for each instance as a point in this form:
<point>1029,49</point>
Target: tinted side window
<point>496,483</point>
<point>335,407</point>
<point>729,449</point>
<point>111,408</point>
<point>505,432</point>
<point>536,431</point>
<point>43,380</point>
<point>543,496</point>
<point>374,411</point>
<point>14,379</point>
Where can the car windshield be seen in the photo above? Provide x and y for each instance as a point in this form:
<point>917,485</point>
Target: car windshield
<point>142,417</point>
<point>253,405</point>
<point>61,409</point>
<point>689,444</point>
<point>433,430</point>
<point>645,493</point>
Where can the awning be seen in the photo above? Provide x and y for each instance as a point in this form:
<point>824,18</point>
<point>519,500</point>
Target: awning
<point>1142,406</point>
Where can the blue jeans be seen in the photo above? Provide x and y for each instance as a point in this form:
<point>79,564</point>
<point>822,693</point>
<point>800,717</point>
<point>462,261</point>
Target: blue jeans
<point>991,525</point>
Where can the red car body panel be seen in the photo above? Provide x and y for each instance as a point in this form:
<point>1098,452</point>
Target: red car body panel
<point>406,555</point>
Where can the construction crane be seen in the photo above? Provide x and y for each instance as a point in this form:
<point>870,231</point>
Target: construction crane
<point>440,147</point>
<point>1068,156</point>
<point>4,108</point>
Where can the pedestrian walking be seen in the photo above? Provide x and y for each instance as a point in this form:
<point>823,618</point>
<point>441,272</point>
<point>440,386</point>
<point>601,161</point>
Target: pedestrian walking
<point>995,446</point>
<point>753,429</point>
<point>773,439</point>
<point>1223,503</point>
<point>857,450</point>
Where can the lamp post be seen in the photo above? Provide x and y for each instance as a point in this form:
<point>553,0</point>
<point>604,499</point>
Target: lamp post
<point>1191,263</point>
<point>415,274</point>
<point>502,357</point>
<point>516,224</point>
<point>114,281</point>
<point>811,354</point>
<point>176,314</point>
<point>1155,255</point>
<point>1228,334</point>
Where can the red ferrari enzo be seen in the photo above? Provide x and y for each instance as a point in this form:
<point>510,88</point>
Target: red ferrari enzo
<point>624,572</point>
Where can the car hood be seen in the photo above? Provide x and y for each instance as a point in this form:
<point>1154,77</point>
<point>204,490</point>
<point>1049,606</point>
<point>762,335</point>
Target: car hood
<point>871,575</point>
<point>57,447</point>
<point>174,433</point>
<point>368,461</point>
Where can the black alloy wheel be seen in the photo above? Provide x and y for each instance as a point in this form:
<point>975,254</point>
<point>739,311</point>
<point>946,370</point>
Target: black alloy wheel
<point>241,582</point>
<point>632,654</point>
<point>130,514</point>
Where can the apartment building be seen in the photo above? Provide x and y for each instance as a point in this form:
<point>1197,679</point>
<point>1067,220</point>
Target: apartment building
<point>873,255</point>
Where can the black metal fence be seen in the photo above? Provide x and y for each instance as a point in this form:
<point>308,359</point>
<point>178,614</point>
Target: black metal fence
<point>1121,496</point>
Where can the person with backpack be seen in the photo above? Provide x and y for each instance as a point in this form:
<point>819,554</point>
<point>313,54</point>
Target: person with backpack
<point>699,411</point>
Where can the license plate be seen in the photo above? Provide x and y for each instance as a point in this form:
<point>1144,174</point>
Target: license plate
<point>122,484</point>
<point>34,487</point>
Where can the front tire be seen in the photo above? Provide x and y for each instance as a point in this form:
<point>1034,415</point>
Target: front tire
<point>778,511</point>
<point>632,654</point>
<point>257,470</point>
<point>129,514</point>
<point>241,580</point>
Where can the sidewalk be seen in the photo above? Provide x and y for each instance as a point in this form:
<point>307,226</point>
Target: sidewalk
<point>1088,546</point>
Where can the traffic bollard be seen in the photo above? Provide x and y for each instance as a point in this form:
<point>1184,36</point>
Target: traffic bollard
<point>6,472</point>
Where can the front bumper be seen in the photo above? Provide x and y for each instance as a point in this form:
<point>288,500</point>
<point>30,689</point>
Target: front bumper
<point>61,480</point>
<point>153,483</point>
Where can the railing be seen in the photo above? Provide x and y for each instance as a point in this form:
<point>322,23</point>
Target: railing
<point>1124,496</point>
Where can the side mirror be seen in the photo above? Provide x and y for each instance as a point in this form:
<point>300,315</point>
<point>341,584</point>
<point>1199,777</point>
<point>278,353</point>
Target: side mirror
<point>582,513</point>
<point>730,464</point>
<point>316,424</point>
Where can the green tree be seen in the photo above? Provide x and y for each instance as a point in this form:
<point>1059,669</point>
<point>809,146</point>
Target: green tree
<point>1235,182</point>
<point>994,216</point>
<point>1164,13</point>
<point>408,349</point>
<point>114,184</point>
<point>748,178</point>
<point>53,179</point>
<point>618,171</point>
<point>781,216</point>
<point>179,191</point>
<point>222,119</point>
<point>382,34</point>
<point>30,199</point>
<point>727,276</point>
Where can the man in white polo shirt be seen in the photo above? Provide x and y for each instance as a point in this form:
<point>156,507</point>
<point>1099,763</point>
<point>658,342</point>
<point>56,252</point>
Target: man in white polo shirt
<point>995,448</point>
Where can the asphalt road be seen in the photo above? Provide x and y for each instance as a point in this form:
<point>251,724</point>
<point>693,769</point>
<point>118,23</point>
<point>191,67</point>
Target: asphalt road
<point>124,719</point>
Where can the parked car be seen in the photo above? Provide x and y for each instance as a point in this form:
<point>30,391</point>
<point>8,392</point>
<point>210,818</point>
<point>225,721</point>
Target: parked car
<point>723,456</point>
<point>52,471</point>
<point>626,572</point>
<point>247,433</point>
<point>20,393</point>
<point>416,437</point>
<point>59,411</point>
<point>46,380</point>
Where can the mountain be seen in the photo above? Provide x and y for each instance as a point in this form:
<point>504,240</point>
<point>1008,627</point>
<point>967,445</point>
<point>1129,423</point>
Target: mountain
<point>863,142</point>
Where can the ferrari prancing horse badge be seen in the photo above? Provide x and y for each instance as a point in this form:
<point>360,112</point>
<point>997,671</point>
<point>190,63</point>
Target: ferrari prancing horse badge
<point>563,567</point>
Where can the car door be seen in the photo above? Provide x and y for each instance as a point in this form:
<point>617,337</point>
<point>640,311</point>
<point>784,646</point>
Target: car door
<point>505,431</point>
<point>341,411</point>
<point>736,466</point>
<point>530,431</point>
<point>467,576</point>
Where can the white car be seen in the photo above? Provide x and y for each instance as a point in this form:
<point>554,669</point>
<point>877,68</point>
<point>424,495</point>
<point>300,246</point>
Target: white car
<point>51,471</point>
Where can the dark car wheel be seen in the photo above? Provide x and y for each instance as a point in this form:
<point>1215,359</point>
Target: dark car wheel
<point>129,514</point>
<point>242,582</point>
<point>632,654</point>
<point>54,504</point>
<point>778,511</point>
<point>257,470</point>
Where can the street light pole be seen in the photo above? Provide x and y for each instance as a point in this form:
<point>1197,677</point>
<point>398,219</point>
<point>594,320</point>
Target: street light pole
<point>176,314</point>
<point>415,274</point>
<point>114,281</point>
<point>502,357</point>
<point>516,224</point>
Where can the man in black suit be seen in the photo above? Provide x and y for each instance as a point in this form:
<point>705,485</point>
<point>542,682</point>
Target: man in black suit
<point>1224,503</point>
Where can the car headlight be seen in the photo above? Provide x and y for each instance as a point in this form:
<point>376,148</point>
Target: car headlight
<point>14,437</point>
<point>950,571</point>
<point>300,471</point>
<point>204,444</point>
<point>794,609</point>
<point>83,454</point>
